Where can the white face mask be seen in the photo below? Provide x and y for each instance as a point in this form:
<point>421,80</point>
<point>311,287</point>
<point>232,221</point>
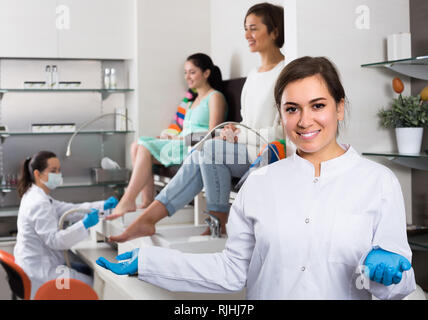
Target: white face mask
<point>54,180</point>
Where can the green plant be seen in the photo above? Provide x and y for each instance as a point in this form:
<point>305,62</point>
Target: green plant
<point>405,112</point>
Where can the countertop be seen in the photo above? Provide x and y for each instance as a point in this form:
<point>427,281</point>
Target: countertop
<point>111,286</point>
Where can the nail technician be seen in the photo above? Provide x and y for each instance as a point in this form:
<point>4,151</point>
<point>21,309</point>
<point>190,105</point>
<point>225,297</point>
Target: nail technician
<point>39,244</point>
<point>305,227</point>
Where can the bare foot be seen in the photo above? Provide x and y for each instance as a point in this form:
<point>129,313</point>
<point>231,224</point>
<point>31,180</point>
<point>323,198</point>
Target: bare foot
<point>122,208</point>
<point>144,225</point>
<point>136,230</point>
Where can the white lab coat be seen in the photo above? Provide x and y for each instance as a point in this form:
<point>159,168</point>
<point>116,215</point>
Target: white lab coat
<point>39,244</point>
<point>294,236</point>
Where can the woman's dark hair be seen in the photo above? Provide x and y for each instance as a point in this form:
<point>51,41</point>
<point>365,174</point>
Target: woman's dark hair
<point>307,67</point>
<point>204,62</point>
<point>272,17</point>
<point>39,161</point>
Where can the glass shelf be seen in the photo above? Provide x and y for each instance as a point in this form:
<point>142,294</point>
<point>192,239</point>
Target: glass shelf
<point>416,67</point>
<point>67,90</point>
<point>414,161</point>
<point>104,92</point>
<point>9,212</point>
<point>7,134</point>
<point>418,241</point>
<point>70,185</point>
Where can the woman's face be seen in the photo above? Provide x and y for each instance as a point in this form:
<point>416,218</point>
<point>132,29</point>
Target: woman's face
<point>310,116</point>
<point>53,166</point>
<point>194,76</point>
<point>257,34</point>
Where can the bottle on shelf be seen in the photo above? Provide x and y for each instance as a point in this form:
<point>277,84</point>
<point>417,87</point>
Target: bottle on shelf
<point>113,82</point>
<point>107,78</point>
<point>48,72</point>
<point>55,78</point>
<point>14,180</point>
<point>8,181</point>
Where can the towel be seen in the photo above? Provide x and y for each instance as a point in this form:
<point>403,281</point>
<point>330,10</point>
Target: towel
<point>176,126</point>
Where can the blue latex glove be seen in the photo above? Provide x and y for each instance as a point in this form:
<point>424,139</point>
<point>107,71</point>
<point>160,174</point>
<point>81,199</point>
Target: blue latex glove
<point>127,267</point>
<point>91,219</point>
<point>386,267</point>
<point>110,203</point>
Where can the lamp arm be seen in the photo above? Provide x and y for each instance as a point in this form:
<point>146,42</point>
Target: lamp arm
<point>68,152</point>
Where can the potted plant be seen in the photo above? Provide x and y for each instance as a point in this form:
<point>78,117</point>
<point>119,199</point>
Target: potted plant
<point>408,116</point>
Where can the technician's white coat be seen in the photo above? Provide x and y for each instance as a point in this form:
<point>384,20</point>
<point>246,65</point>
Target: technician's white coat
<point>39,246</point>
<point>292,236</point>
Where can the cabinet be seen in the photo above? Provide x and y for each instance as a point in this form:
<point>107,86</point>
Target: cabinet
<point>27,28</point>
<point>96,29</point>
<point>21,107</point>
<point>99,29</point>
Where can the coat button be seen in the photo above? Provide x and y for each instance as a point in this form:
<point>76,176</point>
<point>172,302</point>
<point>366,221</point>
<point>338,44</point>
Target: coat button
<point>303,268</point>
<point>307,220</point>
<point>316,180</point>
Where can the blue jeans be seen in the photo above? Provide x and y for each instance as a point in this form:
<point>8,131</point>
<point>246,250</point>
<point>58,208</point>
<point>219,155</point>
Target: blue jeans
<point>213,168</point>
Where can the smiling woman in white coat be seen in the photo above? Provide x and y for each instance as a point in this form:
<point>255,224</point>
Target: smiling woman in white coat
<point>39,244</point>
<point>324,223</point>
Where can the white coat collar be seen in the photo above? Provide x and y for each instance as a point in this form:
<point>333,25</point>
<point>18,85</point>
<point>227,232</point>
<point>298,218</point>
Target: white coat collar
<point>331,167</point>
<point>35,188</point>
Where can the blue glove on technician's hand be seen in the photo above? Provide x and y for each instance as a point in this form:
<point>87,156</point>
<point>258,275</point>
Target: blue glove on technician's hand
<point>91,219</point>
<point>110,203</point>
<point>127,267</point>
<point>386,267</point>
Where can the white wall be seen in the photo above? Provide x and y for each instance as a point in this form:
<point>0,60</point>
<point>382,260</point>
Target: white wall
<point>167,32</point>
<point>328,28</point>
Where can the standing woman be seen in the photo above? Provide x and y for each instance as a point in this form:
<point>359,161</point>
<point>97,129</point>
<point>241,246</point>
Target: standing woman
<point>307,226</point>
<point>204,113</point>
<point>39,244</point>
<point>264,31</point>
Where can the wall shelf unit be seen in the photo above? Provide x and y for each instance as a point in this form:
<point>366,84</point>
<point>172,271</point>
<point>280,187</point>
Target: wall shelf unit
<point>79,98</point>
<point>104,92</point>
<point>112,185</point>
<point>4,135</point>
<point>419,242</point>
<point>12,211</point>
<point>413,161</point>
<point>416,67</point>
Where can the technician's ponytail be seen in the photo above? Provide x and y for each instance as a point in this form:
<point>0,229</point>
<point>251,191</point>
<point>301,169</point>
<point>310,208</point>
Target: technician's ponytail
<point>39,162</point>
<point>25,179</point>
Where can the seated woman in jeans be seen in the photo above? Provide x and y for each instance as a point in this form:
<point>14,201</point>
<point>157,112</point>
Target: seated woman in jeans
<point>205,112</point>
<point>219,160</point>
